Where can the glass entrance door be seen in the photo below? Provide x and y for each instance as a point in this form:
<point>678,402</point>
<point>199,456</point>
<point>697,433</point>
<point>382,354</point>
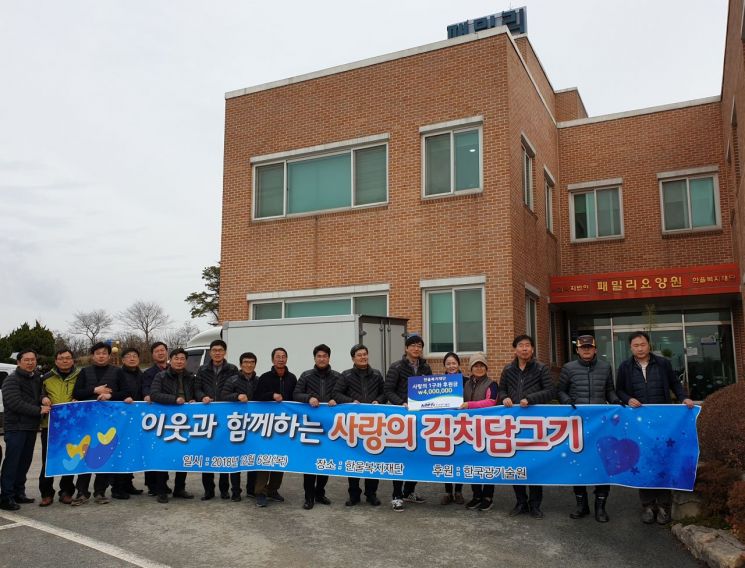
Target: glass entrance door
<point>710,358</point>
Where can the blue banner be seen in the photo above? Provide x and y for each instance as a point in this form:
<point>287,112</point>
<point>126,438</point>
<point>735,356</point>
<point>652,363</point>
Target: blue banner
<point>654,446</point>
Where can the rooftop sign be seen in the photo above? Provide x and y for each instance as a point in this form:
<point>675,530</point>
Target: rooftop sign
<point>516,21</point>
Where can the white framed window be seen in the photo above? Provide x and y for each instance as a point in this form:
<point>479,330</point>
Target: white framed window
<point>548,186</point>
<point>342,175</point>
<point>452,157</point>
<point>528,155</point>
<point>454,319</point>
<point>299,307</point>
<point>690,203</point>
<point>596,212</point>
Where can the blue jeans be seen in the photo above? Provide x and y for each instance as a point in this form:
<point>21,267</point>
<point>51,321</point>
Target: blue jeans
<point>19,453</point>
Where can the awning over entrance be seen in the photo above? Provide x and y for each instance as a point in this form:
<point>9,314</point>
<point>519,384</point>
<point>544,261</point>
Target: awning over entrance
<point>651,283</point>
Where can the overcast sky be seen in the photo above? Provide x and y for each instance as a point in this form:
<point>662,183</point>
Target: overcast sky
<point>112,113</point>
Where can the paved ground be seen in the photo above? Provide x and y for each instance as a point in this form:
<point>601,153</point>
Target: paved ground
<point>140,532</point>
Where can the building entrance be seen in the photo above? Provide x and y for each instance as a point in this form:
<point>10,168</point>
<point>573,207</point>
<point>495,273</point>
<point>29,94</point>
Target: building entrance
<point>699,344</point>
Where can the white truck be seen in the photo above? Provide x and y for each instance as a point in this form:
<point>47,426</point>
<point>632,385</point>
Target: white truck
<point>383,336</point>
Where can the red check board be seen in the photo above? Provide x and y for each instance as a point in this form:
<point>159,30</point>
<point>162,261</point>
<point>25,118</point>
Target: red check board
<point>656,283</point>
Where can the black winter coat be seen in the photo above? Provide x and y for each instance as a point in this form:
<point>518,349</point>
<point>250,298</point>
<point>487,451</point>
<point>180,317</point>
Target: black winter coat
<point>271,383</point>
<point>22,401</point>
<point>316,383</point>
<point>93,376</point>
<point>533,383</point>
<point>133,378</point>
<point>238,384</point>
<point>165,387</point>
<point>396,384</point>
<point>209,384</point>
<point>655,389</point>
<point>363,385</point>
<point>587,383</point>
<point>147,378</point>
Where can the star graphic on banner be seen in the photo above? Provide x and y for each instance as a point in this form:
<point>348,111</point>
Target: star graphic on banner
<point>634,470</point>
<point>670,442</point>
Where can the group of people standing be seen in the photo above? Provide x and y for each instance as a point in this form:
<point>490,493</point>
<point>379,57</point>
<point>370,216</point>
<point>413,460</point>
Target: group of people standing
<point>644,378</point>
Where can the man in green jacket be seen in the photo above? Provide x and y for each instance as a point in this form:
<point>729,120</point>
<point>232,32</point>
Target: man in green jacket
<point>56,388</point>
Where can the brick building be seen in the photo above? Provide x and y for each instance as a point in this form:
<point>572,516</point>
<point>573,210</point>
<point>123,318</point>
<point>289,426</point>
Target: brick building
<point>485,208</point>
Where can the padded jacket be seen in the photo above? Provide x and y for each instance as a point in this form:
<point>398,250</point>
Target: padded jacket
<point>209,384</point>
<point>316,383</point>
<point>396,385</point>
<point>164,389</point>
<point>22,401</point>
<point>587,383</point>
<point>363,385</point>
<point>533,383</point>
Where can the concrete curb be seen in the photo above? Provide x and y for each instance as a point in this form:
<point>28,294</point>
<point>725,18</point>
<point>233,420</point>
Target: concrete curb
<point>717,548</point>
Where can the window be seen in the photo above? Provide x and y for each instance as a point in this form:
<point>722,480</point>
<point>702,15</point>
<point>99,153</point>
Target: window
<point>349,178</point>
<point>371,305</point>
<point>531,311</point>
<point>454,320</point>
<point>527,178</point>
<point>549,191</point>
<point>452,161</point>
<point>690,203</point>
<point>596,214</point>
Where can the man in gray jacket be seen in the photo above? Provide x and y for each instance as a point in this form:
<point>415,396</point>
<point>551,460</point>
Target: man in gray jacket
<point>588,380</point>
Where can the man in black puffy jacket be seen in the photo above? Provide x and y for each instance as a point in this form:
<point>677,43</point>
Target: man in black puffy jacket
<point>525,381</point>
<point>396,388</point>
<point>315,386</point>
<point>359,384</point>
<point>645,378</point>
<point>210,378</point>
<point>588,380</point>
<point>175,386</point>
<point>23,412</point>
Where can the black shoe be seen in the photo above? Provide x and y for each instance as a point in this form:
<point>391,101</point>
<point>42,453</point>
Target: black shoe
<point>224,495</point>
<point>208,495</point>
<point>323,500</point>
<point>250,495</point>
<point>275,496</point>
<point>308,505</point>
<point>373,500</point>
<point>600,515</point>
<point>473,503</point>
<point>352,502</point>
<point>168,490</point>
<point>583,508</point>
<point>235,498</point>
<point>132,490</point>
<point>182,494</point>
<point>23,500</point>
<point>163,498</point>
<point>152,493</point>
<point>9,505</point>
<point>519,509</point>
<point>119,495</point>
<point>535,512</point>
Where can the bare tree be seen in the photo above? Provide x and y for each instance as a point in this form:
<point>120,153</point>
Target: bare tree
<point>180,336</point>
<point>145,318</point>
<point>90,324</point>
<point>77,345</point>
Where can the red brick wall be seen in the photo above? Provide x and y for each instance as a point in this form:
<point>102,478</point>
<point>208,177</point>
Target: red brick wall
<point>637,149</point>
<point>569,106</point>
<point>408,239</point>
